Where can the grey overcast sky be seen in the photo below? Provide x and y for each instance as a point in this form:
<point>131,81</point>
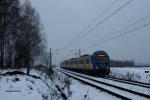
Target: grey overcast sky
<point>63,20</point>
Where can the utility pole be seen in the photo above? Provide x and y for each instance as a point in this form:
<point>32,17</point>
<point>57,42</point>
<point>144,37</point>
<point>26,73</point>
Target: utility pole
<point>50,58</point>
<point>76,55</point>
<point>79,52</point>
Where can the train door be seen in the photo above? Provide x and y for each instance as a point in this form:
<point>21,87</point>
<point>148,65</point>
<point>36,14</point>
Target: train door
<point>84,63</point>
<point>93,62</point>
<point>87,63</point>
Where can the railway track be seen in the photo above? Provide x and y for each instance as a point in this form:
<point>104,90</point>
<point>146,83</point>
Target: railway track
<point>118,91</point>
<point>129,82</point>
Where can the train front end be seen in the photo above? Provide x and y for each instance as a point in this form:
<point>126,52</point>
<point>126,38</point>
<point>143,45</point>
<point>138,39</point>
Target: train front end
<point>100,60</point>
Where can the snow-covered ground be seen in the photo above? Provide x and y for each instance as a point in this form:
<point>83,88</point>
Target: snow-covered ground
<point>59,86</point>
<point>81,91</point>
<point>138,74</point>
<point>22,87</point>
<point>56,87</point>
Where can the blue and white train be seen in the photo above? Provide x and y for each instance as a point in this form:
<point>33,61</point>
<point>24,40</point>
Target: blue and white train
<point>95,64</point>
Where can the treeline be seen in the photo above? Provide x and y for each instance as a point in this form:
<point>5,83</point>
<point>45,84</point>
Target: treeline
<point>22,40</point>
<point>119,63</point>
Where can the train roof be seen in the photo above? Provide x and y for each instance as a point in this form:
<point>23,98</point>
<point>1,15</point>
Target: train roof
<point>86,55</point>
<point>99,52</point>
<point>72,58</point>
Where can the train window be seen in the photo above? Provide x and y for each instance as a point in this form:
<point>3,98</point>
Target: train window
<point>91,59</point>
<point>81,61</point>
<point>74,61</point>
<point>70,62</point>
<point>78,61</point>
<point>87,61</point>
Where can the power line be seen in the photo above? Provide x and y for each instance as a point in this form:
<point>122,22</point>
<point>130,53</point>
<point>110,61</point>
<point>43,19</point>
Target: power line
<point>99,16</point>
<point>142,19</point>
<point>118,35</point>
<point>83,35</point>
<point>78,36</point>
<point>104,20</point>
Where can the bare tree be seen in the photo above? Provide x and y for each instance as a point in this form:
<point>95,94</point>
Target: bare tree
<point>21,36</point>
<point>30,43</point>
<point>9,12</point>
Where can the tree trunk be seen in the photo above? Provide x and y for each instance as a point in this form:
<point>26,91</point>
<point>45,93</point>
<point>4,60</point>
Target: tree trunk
<point>28,71</point>
<point>2,48</point>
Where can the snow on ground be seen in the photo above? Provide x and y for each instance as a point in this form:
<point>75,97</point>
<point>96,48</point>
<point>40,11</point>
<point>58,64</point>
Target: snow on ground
<point>80,91</point>
<point>55,87</point>
<point>59,86</point>
<point>139,74</point>
<point>18,87</point>
<point>24,87</point>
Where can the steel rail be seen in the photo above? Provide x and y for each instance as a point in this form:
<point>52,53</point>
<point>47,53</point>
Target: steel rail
<point>129,82</point>
<point>98,87</point>
<point>121,88</point>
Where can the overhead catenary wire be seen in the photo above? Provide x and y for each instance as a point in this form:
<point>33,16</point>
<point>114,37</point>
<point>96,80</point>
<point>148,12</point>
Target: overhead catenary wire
<point>99,16</point>
<point>139,27</point>
<point>86,33</point>
<point>104,20</point>
<point>134,23</point>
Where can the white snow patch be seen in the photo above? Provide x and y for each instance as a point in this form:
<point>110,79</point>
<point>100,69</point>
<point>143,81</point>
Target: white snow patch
<point>139,74</point>
<point>18,87</point>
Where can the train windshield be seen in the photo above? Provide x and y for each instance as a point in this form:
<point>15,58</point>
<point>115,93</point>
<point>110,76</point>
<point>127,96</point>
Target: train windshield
<point>102,59</point>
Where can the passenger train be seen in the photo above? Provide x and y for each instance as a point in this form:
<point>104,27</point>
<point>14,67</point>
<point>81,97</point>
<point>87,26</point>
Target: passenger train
<point>95,64</point>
